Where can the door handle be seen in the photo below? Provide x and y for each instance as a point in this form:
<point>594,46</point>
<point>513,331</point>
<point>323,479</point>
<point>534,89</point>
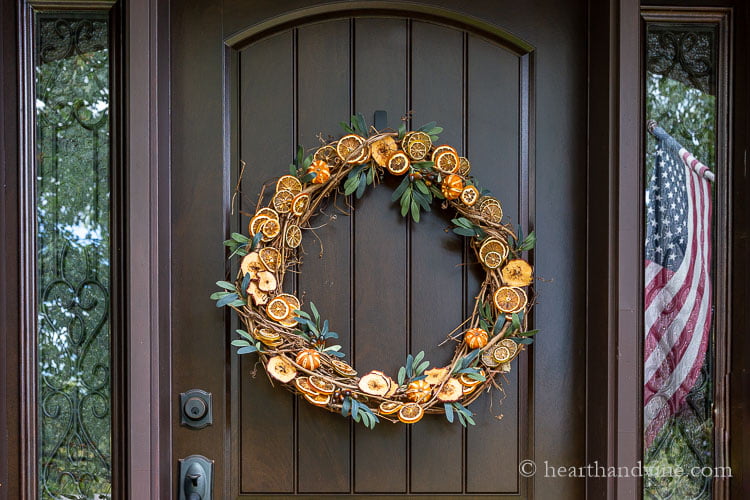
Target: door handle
<point>196,478</point>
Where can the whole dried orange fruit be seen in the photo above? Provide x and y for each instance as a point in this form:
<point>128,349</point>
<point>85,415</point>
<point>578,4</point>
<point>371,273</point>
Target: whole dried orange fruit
<point>452,186</point>
<point>309,359</point>
<point>476,338</point>
<point>321,171</point>
<point>419,391</point>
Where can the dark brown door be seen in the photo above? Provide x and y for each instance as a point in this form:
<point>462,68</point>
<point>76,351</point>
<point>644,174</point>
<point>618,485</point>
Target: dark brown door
<point>506,80</point>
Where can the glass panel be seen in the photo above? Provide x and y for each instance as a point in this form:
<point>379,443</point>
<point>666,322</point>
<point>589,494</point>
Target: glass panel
<point>681,82</point>
<point>73,224</point>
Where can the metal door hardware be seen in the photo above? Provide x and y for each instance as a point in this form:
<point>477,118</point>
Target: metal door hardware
<point>195,409</point>
<point>196,478</point>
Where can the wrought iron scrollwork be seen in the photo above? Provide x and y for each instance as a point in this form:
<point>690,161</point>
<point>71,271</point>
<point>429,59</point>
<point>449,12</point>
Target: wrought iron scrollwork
<point>683,54</point>
<point>72,123</point>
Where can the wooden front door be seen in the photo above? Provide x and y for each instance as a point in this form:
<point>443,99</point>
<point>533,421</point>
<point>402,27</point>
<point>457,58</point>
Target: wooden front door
<point>506,80</point>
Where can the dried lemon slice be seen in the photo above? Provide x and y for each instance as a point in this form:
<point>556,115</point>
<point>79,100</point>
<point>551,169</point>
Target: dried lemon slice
<point>511,345</point>
<point>282,201</point>
<point>501,354</point>
<point>300,203</point>
<point>278,309</point>
<point>327,154</point>
<point>322,385</point>
<point>488,360</point>
<point>493,245</point>
<point>271,229</point>
<point>491,209</point>
<point>389,407</point>
<point>270,257</point>
<point>464,166</point>
<point>410,413</point>
<point>492,260</point>
<point>469,196</point>
<point>289,183</point>
<point>293,236</point>
<point>509,299</point>
<point>350,149</point>
<point>417,145</point>
<point>398,163</point>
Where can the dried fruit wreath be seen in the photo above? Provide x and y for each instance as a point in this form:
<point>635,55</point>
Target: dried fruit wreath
<point>293,344</point>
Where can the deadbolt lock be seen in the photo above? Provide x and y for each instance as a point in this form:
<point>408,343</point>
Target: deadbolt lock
<point>195,409</point>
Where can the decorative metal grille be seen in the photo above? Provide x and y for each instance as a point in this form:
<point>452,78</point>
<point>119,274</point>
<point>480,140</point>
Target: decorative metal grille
<point>73,224</point>
<point>680,95</point>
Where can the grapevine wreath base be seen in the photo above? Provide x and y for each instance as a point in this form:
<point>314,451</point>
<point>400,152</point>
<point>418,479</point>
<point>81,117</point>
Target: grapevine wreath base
<point>294,344</point>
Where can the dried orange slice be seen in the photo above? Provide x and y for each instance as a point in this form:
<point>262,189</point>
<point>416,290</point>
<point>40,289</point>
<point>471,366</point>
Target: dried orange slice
<point>501,354</point>
<point>300,203</point>
<point>464,166</point>
<point>322,385</point>
<point>327,154</point>
<point>271,229</point>
<point>303,384</point>
<point>343,369</point>
<point>389,407</point>
<point>270,257</point>
<point>291,300</point>
<point>256,224</point>
<point>452,186</point>
<point>398,163</point>
<point>351,149</point>
<point>293,236</point>
<point>517,272</point>
<point>467,381</point>
<point>490,209</point>
<point>289,183</point>
<point>417,145</point>
<point>469,196</point>
<point>282,201</point>
<point>318,399</point>
<point>268,337</point>
<point>278,309</point>
<point>267,212</point>
<point>469,389</point>
<point>410,413</point>
<point>281,369</point>
<point>383,149</point>
<point>509,299</point>
<point>446,159</point>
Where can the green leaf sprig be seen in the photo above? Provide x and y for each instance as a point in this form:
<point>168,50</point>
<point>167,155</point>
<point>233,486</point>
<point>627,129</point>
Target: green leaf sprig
<point>465,227</point>
<point>464,414</point>
<point>359,412</point>
<point>312,329</point>
<point>413,370</point>
<point>248,344</point>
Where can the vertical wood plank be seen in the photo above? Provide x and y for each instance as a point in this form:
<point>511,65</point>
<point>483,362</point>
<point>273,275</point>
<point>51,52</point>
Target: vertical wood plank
<point>493,149</point>
<point>380,255</point>
<point>323,88</point>
<point>436,256</point>
<point>266,107</point>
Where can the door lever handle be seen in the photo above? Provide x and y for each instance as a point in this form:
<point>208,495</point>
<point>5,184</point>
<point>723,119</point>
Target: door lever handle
<point>196,478</point>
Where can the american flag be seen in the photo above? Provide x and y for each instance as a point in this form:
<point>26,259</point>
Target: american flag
<point>677,280</point>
